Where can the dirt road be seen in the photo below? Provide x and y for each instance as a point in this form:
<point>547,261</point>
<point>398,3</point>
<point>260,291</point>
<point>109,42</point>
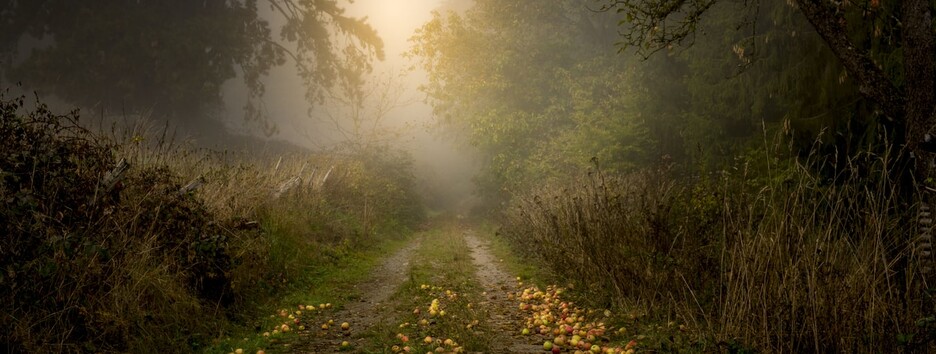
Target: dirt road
<point>374,294</point>
<point>504,316</point>
<point>376,301</point>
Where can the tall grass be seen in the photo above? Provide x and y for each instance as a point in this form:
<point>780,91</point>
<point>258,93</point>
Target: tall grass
<point>150,265</point>
<point>794,261</point>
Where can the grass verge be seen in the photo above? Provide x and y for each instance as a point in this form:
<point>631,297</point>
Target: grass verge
<point>798,262</point>
<point>324,287</point>
<point>575,320</point>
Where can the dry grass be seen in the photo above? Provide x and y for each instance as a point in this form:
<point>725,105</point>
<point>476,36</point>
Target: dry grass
<point>148,266</point>
<point>795,262</point>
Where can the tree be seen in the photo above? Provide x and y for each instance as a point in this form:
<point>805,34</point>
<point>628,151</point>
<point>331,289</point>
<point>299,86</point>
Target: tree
<point>904,94</point>
<point>172,57</point>
<point>886,48</point>
<point>358,112</point>
<point>536,87</point>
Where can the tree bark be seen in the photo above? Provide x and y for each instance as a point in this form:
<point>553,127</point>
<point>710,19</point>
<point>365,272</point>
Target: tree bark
<point>918,70</point>
<point>873,83</point>
<point>911,109</point>
<point>917,45</point>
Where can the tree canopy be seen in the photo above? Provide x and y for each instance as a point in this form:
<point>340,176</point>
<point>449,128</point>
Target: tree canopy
<point>535,86</point>
<point>541,89</point>
<point>172,57</point>
<point>885,47</point>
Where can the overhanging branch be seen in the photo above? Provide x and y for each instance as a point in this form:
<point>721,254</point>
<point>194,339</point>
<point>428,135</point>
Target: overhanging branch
<point>872,81</point>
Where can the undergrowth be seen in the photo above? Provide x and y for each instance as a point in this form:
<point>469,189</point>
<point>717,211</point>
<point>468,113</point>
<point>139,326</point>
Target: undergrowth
<point>184,243</point>
<point>794,262</point>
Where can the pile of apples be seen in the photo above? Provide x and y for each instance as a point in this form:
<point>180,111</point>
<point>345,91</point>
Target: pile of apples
<point>568,328</point>
<point>293,319</point>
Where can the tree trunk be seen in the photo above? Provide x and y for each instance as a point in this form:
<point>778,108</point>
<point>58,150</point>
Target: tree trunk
<point>911,110</point>
<point>828,21</point>
<point>918,70</point>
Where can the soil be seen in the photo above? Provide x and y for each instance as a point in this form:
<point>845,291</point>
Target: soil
<point>373,296</point>
<point>504,315</point>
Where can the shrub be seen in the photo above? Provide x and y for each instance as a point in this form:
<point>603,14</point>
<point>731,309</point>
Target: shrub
<point>87,267</point>
<point>90,262</point>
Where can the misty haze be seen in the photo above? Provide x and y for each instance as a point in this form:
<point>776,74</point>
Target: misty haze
<point>467,176</point>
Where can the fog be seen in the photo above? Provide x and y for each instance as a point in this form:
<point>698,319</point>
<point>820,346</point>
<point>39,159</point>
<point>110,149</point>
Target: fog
<point>444,164</point>
<point>780,153</point>
<point>500,101</point>
<point>394,113</point>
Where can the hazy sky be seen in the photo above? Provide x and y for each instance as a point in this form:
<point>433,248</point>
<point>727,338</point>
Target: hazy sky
<point>440,162</point>
<point>285,104</point>
<point>395,20</point>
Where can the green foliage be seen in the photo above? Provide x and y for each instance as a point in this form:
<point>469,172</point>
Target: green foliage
<point>550,93</point>
<point>536,87</point>
<point>750,70</point>
<point>764,211</point>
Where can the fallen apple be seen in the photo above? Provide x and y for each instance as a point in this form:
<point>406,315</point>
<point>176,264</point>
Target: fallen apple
<point>631,344</point>
<point>560,340</point>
